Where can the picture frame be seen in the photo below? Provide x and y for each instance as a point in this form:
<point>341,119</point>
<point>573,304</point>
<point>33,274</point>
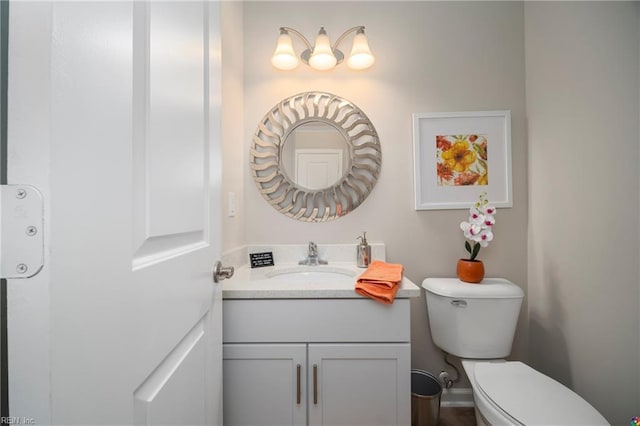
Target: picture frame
<point>459,155</point>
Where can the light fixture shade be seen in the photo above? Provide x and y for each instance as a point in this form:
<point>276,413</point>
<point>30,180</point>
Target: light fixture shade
<point>361,57</point>
<point>322,57</point>
<point>284,57</point>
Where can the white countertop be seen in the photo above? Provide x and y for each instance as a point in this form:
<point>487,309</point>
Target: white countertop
<point>254,283</point>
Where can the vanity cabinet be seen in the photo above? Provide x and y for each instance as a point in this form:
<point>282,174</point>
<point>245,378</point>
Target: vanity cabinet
<point>349,363</point>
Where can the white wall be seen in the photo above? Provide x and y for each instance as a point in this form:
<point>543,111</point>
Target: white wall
<point>582,68</point>
<point>431,56</point>
<point>233,140</point>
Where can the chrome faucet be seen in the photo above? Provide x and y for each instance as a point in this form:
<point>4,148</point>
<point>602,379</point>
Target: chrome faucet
<point>312,256</point>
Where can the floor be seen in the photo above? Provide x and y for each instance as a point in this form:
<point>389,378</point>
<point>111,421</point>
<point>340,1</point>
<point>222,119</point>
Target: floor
<point>457,416</point>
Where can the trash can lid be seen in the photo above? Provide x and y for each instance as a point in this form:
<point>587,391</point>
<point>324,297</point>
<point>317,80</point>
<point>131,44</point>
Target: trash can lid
<point>424,384</point>
<point>531,397</point>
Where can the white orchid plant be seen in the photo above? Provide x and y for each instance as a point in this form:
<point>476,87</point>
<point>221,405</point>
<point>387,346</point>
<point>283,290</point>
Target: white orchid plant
<point>478,229</point>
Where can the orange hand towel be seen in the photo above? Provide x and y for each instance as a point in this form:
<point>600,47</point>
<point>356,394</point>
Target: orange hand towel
<point>382,273</point>
<point>377,292</point>
<point>380,281</point>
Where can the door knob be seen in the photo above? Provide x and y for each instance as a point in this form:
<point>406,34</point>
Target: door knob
<point>222,272</point>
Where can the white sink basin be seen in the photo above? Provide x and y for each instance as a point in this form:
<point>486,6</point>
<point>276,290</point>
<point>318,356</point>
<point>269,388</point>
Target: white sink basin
<point>311,274</point>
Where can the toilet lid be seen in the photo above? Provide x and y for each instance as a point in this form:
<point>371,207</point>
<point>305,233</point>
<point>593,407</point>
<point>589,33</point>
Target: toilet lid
<point>532,398</point>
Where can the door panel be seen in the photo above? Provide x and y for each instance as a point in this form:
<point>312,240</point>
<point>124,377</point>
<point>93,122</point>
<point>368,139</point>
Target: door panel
<point>125,150</point>
<point>162,398</point>
<point>171,132</point>
<point>318,168</point>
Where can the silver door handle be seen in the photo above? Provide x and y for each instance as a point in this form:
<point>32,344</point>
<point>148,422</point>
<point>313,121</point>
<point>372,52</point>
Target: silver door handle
<point>222,272</point>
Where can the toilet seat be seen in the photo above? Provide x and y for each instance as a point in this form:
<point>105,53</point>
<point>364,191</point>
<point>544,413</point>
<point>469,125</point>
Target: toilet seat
<point>531,398</point>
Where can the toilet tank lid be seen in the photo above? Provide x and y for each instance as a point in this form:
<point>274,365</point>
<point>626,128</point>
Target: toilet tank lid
<point>489,288</point>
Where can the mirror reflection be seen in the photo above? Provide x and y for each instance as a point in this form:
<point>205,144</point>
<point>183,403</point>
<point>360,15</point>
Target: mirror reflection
<point>315,155</point>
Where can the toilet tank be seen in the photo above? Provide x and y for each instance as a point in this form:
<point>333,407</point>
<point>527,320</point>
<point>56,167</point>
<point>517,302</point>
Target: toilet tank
<point>473,320</point>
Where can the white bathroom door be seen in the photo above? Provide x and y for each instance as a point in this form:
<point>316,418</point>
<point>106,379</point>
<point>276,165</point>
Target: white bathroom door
<point>318,168</point>
<point>114,114</point>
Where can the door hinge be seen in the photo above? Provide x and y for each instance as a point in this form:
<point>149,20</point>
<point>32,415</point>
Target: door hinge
<point>21,231</point>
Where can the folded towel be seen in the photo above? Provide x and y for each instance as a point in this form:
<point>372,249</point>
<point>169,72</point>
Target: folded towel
<point>382,273</point>
<point>378,293</point>
<point>380,281</point>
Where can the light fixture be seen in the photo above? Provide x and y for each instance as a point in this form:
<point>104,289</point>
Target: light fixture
<point>322,55</point>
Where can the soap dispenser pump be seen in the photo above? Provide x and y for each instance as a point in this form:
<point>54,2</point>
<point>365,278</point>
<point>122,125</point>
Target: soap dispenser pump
<point>364,252</point>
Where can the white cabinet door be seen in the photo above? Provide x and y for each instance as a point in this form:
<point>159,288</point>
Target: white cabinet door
<point>113,113</point>
<point>359,384</point>
<point>264,384</point>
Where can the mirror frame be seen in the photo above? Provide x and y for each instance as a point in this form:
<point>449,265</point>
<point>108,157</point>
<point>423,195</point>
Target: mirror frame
<point>321,205</point>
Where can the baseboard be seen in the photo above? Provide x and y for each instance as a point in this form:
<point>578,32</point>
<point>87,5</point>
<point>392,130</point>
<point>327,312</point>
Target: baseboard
<point>462,397</point>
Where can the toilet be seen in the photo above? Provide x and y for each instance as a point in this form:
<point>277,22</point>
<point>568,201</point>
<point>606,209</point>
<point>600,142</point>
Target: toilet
<point>477,322</point>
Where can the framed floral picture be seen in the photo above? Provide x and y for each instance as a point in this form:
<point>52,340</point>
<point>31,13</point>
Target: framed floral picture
<point>459,155</point>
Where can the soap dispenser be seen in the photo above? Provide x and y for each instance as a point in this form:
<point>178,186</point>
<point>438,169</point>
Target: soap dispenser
<point>364,252</point>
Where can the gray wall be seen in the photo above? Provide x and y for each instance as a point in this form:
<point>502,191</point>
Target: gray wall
<point>571,239</point>
<point>583,137</point>
<point>233,137</point>
<point>431,56</point>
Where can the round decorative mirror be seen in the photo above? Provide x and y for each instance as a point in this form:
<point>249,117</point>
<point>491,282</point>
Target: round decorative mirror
<point>315,157</point>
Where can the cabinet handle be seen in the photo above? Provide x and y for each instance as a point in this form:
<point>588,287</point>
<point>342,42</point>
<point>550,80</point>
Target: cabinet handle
<point>315,384</point>
<point>298,390</point>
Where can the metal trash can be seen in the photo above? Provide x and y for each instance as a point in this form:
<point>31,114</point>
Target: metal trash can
<point>425,398</point>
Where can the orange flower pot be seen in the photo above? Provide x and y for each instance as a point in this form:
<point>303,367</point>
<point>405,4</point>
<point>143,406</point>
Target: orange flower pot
<point>470,271</point>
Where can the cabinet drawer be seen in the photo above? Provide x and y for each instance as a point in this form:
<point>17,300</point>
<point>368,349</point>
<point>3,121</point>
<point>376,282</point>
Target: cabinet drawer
<point>315,320</point>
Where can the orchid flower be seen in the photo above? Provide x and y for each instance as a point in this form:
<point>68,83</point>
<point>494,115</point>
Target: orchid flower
<point>478,228</point>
